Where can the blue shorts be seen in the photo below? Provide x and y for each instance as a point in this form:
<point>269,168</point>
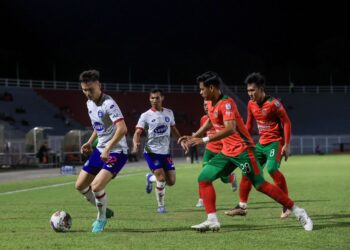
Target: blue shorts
<point>157,161</point>
<point>115,163</point>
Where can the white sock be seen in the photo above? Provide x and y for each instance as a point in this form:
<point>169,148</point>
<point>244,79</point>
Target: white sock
<point>243,205</point>
<point>89,196</point>
<point>296,210</point>
<point>152,178</point>
<point>160,193</point>
<point>101,204</point>
<point>212,217</point>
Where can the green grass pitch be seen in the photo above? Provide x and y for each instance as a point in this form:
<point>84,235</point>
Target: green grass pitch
<point>320,184</point>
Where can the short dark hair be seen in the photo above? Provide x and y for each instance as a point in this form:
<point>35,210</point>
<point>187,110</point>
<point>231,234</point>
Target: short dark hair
<point>156,90</point>
<point>209,78</point>
<point>89,76</point>
<point>256,78</point>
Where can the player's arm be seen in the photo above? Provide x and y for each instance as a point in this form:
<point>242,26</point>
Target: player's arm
<point>121,131</point>
<point>287,131</point>
<point>250,120</point>
<point>229,129</point>
<point>136,140</point>
<point>87,146</point>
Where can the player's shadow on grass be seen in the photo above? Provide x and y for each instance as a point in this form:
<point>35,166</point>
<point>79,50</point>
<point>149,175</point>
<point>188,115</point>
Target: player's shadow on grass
<point>252,227</point>
<point>148,230</point>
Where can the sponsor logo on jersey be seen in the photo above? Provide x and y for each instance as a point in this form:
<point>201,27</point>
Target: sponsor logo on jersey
<point>98,126</point>
<point>160,129</point>
<point>228,106</point>
<point>153,120</point>
<point>100,114</point>
<point>167,119</point>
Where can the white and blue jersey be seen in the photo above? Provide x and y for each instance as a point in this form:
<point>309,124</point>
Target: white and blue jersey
<point>158,125</point>
<point>104,115</point>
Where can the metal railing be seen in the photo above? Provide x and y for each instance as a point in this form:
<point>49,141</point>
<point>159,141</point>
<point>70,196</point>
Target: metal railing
<point>306,144</point>
<point>136,87</point>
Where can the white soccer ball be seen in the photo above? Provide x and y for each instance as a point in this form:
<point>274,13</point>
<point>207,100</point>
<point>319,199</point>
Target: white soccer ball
<point>61,221</point>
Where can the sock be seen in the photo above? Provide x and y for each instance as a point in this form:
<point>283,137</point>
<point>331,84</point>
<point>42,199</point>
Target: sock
<point>275,193</point>
<point>101,204</point>
<point>212,217</point>
<point>89,196</point>
<point>244,189</point>
<point>280,181</point>
<point>160,193</point>
<point>152,178</point>
<point>209,196</point>
<point>200,194</point>
<point>231,177</point>
<point>243,205</point>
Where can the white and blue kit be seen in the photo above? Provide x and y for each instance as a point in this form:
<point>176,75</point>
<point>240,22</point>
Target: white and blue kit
<point>158,125</point>
<point>104,115</point>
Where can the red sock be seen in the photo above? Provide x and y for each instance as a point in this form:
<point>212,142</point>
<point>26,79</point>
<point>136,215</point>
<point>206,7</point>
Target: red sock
<point>209,197</point>
<point>244,189</point>
<point>277,194</point>
<point>280,181</point>
<point>231,178</point>
<point>200,193</point>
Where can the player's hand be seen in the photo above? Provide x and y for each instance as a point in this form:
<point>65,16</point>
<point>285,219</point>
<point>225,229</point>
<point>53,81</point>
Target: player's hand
<point>195,141</point>
<point>185,146</point>
<point>285,151</point>
<point>183,138</point>
<point>105,155</point>
<point>86,148</point>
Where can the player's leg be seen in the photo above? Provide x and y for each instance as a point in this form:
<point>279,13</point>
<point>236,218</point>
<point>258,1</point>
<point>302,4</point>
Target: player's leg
<point>90,169</point>
<point>218,166</point>
<point>109,170</point>
<point>206,158</point>
<point>245,186</point>
<point>273,154</point>
<point>156,163</point>
<point>160,189</point>
<point>150,177</point>
<point>251,168</point>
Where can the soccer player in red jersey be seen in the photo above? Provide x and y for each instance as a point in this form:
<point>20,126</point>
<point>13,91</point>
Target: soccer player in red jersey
<point>274,129</point>
<point>238,151</point>
<point>211,149</point>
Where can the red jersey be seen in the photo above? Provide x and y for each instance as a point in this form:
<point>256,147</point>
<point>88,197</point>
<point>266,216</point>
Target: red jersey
<point>272,120</point>
<point>225,110</point>
<point>214,146</point>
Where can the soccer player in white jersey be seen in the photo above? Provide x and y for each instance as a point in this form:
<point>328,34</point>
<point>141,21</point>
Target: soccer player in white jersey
<point>159,123</point>
<point>110,154</point>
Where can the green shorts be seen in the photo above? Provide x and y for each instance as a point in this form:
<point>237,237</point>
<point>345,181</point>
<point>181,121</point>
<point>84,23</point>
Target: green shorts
<point>207,156</point>
<point>221,165</point>
<point>269,155</point>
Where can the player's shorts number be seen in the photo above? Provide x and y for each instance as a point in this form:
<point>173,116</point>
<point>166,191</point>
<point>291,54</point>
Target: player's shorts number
<point>246,168</point>
<point>272,152</point>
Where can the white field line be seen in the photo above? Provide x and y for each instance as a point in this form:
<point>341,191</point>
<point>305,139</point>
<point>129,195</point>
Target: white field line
<point>65,184</point>
<point>51,186</point>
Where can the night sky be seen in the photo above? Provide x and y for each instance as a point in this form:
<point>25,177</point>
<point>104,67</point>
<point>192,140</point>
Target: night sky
<point>160,41</point>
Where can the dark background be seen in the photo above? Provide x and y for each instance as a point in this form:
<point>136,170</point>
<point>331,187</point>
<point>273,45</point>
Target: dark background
<point>174,41</point>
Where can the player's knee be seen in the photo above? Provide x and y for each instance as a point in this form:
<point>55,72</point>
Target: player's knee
<point>79,186</point>
<point>204,177</point>
<point>171,183</point>
<point>96,187</point>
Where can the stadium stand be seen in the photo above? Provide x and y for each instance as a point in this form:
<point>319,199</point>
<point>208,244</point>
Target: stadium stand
<point>27,110</point>
<point>187,107</point>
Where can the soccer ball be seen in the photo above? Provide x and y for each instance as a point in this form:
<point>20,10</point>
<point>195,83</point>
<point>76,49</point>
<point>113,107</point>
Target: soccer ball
<point>61,221</point>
